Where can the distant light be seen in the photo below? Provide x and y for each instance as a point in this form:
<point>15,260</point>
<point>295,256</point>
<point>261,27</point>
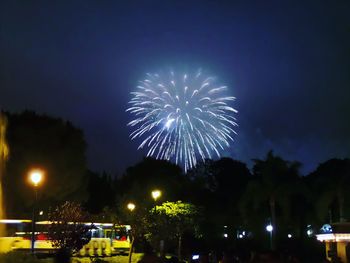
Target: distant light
<point>41,212</point>
<point>333,237</point>
<point>225,226</point>
<point>243,233</point>
<point>326,228</point>
<point>195,257</point>
<point>309,232</point>
<point>225,235</point>
<point>289,235</point>
<point>156,194</point>
<point>98,224</point>
<point>269,228</point>
<point>14,221</point>
<point>240,236</point>
<point>131,206</point>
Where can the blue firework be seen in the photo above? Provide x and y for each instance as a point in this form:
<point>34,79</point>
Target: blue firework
<point>182,117</point>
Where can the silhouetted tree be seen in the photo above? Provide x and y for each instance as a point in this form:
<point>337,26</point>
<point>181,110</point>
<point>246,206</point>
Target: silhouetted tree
<point>68,231</point>
<point>139,181</point>
<point>101,193</point>
<point>217,186</point>
<point>270,187</point>
<point>330,185</point>
<point>52,144</point>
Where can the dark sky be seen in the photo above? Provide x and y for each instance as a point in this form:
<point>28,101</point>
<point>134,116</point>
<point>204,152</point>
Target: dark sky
<point>287,62</point>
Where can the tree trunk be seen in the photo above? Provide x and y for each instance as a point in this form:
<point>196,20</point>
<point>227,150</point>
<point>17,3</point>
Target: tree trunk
<point>179,248</point>
<point>341,206</point>
<point>273,220</point>
<point>131,248</point>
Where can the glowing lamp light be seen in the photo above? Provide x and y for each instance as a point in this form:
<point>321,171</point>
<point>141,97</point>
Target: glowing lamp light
<point>269,228</point>
<point>195,257</point>
<point>131,206</point>
<point>156,194</point>
<point>289,235</point>
<point>36,177</point>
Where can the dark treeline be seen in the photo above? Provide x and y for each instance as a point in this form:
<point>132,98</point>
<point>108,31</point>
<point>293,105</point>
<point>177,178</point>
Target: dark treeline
<point>236,200</point>
<point>233,199</point>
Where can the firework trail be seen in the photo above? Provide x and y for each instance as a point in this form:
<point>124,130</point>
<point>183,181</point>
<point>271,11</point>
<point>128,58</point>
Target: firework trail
<point>182,117</point>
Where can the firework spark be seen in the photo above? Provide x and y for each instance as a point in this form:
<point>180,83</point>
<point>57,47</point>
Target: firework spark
<point>182,117</point>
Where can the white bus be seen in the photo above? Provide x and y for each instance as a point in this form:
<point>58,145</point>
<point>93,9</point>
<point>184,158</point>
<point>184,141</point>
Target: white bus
<point>107,239</point>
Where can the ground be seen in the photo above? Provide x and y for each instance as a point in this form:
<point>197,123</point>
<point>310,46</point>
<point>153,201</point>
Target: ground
<point>116,259</point>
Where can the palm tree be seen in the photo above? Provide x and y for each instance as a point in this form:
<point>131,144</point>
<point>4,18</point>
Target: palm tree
<point>272,178</point>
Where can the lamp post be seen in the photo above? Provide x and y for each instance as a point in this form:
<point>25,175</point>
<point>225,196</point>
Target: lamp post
<point>131,207</point>
<point>155,195</point>
<point>35,177</point>
<point>269,228</point>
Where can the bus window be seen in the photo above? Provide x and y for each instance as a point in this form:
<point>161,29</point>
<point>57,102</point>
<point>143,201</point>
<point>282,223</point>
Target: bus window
<point>16,227</point>
<point>121,233</point>
<point>97,232</point>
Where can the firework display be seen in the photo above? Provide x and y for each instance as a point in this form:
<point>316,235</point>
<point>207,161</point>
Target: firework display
<point>182,117</point>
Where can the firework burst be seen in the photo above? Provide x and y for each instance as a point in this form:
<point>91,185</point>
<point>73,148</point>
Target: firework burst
<point>182,117</point>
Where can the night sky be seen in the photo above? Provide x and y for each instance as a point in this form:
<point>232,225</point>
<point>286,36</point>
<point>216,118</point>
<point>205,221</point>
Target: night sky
<point>287,62</point>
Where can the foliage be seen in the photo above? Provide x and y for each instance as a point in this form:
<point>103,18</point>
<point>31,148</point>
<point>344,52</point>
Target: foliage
<point>170,221</point>
<point>176,210</point>
<point>268,195</point>
<point>331,186</point>
<point>139,181</point>
<point>49,143</point>
<point>97,184</point>
<point>67,231</point>
<point>99,260</point>
<point>217,187</point>
<point>179,217</point>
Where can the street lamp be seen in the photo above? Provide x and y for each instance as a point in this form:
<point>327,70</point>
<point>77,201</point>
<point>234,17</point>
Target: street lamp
<point>131,206</point>
<point>269,228</point>
<point>35,177</point>
<point>156,194</point>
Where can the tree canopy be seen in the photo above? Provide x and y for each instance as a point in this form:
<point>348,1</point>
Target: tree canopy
<point>55,146</point>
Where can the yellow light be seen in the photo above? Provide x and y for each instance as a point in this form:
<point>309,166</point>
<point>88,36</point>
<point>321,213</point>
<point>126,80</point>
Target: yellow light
<point>156,194</point>
<point>333,237</point>
<point>131,206</point>
<point>36,177</point>
<point>14,221</point>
